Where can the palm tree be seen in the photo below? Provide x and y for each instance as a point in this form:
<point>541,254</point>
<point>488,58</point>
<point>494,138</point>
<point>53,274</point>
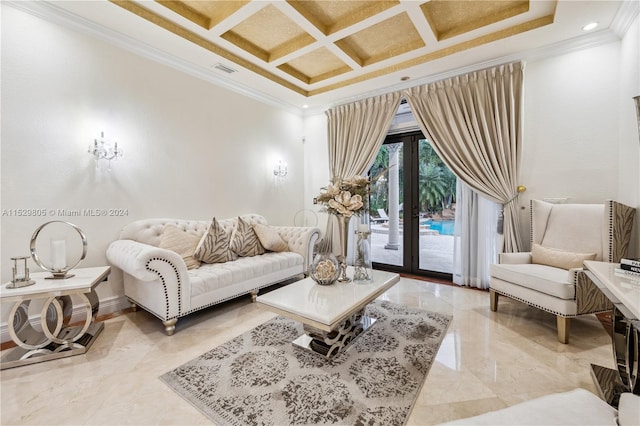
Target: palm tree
<point>433,185</point>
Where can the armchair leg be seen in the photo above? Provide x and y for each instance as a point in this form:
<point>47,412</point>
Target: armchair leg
<point>254,295</point>
<point>493,300</point>
<point>564,326</point>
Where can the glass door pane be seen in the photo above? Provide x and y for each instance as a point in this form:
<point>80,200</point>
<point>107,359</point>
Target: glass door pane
<point>386,206</point>
<point>436,204</point>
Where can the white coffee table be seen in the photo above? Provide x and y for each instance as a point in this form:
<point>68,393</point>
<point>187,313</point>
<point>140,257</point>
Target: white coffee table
<point>57,338</point>
<point>332,315</point>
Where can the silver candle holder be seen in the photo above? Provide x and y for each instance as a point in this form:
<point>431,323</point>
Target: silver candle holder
<point>20,274</point>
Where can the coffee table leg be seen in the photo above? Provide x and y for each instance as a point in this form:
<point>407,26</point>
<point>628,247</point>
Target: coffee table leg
<point>331,343</point>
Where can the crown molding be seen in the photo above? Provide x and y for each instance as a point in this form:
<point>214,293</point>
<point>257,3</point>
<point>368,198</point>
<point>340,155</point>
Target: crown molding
<point>50,12</point>
<point>627,13</point>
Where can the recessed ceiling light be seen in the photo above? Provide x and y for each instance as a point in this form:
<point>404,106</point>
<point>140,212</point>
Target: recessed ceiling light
<point>305,106</point>
<point>590,26</point>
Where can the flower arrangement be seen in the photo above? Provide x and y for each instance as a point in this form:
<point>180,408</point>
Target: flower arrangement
<point>346,197</point>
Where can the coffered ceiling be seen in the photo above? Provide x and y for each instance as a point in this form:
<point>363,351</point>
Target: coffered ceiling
<point>323,52</point>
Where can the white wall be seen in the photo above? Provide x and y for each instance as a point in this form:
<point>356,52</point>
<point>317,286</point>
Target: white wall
<point>192,150</point>
<point>316,157</point>
<point>629,155</point>
<point>580,132</point>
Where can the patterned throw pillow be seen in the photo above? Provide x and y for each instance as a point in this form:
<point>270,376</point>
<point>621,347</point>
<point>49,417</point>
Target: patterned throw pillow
<point>214,245</point>
<point>181,242</point>
<point>269,238</point>
<point>244,241</point>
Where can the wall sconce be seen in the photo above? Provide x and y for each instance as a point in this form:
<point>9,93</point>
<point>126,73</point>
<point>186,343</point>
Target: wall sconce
<point>104,150</point>
<point>280,169</point>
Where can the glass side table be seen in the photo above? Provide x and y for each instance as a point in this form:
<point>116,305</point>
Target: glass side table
<point>55,337</point>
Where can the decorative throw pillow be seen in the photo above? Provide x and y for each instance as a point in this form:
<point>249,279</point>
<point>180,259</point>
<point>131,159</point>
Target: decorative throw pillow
<point>214,245</point>
<point>269,238</point>
<point>181,242</point>
<point>559,258</point>
<point>244,241</point>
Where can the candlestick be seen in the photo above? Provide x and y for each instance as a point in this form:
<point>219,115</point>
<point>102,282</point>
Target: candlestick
<point>58,255</point>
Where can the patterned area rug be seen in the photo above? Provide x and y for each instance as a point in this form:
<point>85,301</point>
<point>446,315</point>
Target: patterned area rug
<point>260,378</point>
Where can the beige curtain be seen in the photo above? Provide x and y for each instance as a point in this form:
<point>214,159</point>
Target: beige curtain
<point>474,123</point>
<point>356,132</point>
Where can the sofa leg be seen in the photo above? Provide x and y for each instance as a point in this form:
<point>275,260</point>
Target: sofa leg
<point>493,300</point>
<point>170,326</point>
<point>254,295</point>
<point>133,305</point>
<point>564,326</point>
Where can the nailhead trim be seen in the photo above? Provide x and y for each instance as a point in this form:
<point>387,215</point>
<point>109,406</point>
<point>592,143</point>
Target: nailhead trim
<point>164,284</point>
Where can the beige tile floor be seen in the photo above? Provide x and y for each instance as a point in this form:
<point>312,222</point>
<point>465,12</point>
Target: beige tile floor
<point>487,361</point>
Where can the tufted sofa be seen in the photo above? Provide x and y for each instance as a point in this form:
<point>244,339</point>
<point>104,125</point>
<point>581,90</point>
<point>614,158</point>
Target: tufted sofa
<point>158,280</point>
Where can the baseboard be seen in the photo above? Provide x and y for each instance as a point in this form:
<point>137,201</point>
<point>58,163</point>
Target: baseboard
<point>108,306</point>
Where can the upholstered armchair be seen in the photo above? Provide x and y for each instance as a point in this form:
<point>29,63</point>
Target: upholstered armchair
<point>551,276</point>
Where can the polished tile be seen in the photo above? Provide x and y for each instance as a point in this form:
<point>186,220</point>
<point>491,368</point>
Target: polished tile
<point>488,360</point>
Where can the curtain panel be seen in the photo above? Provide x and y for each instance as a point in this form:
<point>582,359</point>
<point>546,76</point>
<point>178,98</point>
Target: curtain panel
<point>355,133</point>
<point>474,123</point>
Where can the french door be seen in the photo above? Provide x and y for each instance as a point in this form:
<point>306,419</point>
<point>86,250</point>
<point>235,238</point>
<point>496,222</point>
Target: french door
<point>412,208</point>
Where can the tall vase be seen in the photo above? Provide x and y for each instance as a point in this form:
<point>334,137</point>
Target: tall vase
<point>343,233</point>
<point>362,262</point>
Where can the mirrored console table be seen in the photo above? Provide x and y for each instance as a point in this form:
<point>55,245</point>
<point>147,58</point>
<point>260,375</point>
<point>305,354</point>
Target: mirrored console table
<point>624,293</point>
<point>53,336</point>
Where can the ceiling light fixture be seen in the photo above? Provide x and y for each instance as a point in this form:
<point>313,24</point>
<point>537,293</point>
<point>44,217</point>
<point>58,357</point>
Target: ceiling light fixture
<point>590,26</point>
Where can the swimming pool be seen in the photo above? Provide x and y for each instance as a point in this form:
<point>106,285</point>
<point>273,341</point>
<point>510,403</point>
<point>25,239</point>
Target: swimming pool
<point>444,227</point>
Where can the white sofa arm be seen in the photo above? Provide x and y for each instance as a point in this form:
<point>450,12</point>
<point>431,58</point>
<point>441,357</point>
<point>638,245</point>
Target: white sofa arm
<point>301,240</point>
<point>148,263</point>
<point>133,258</point>
<point>514,258</point>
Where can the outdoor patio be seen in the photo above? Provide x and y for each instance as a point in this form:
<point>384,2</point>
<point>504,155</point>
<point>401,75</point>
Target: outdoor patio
<point>436,251</point>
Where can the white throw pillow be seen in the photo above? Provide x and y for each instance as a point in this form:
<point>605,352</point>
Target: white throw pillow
<point>181,242</point>
<point>559,258</point>
<point>270,238</point>
<point>629,410</point>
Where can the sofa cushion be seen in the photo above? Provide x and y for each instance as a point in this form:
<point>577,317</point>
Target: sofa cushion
<point>270,239</point>
<point>559,258</point>
<point>214,245</point>
<point>545,279</point>
<point>244,241</point>
<point>182,242</point>
<point>213,277</point>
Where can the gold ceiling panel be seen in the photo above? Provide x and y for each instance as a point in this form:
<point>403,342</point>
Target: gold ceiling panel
<point>384,40</point>
<point>330,16</point>
<point>206,14</point>
<point>450,18</point>
<point>268,34</point>
<point>315,66</point>
<point>294,44</point>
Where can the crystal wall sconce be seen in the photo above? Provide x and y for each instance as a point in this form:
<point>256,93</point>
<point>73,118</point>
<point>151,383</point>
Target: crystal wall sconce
<point>104,150</point>
<point>280,169</point>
